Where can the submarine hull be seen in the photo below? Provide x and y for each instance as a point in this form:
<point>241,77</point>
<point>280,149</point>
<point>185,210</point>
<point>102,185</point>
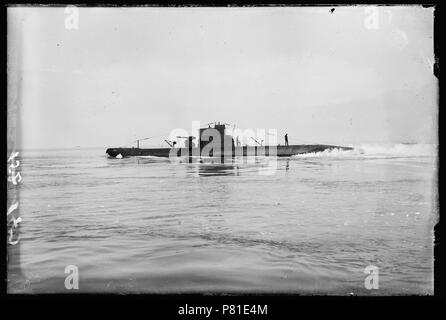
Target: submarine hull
<point>279,151</point>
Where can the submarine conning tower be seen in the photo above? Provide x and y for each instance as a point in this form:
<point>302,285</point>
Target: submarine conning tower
<point>213,141</point>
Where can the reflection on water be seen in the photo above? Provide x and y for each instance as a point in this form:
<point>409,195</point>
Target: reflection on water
<point>214,166</point>
<point>218,170</point>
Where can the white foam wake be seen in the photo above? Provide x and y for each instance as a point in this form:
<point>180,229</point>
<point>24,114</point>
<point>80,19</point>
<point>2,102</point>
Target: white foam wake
<point>399,150</point>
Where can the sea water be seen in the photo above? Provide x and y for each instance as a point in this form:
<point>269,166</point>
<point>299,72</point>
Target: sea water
<point>308,224</point>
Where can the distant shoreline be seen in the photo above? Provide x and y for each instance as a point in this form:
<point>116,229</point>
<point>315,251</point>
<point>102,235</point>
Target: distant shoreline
<point>59,149</point>
<point>349,144</point>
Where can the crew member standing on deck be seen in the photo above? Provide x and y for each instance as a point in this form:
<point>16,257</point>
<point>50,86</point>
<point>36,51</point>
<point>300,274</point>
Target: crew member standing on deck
<point>286,139</point>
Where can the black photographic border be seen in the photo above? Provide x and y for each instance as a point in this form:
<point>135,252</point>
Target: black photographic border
<point>167,305</point>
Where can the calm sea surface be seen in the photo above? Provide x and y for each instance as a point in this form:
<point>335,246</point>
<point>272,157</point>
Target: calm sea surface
<point>307,224</point>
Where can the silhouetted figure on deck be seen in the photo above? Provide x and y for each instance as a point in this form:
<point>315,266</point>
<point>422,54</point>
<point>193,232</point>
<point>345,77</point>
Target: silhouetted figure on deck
<point>189,144</point>
<point>286,139</point>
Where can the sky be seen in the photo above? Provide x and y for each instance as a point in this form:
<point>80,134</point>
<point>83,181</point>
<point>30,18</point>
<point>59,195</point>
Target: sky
<point>354,75</point>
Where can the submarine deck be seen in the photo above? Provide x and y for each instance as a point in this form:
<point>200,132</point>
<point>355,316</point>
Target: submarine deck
<point>279,151</point>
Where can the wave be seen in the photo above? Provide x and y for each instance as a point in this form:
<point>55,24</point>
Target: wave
<point>399,150</point>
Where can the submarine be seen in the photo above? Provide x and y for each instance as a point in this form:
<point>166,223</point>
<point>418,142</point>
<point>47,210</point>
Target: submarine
<point>215,142</point>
